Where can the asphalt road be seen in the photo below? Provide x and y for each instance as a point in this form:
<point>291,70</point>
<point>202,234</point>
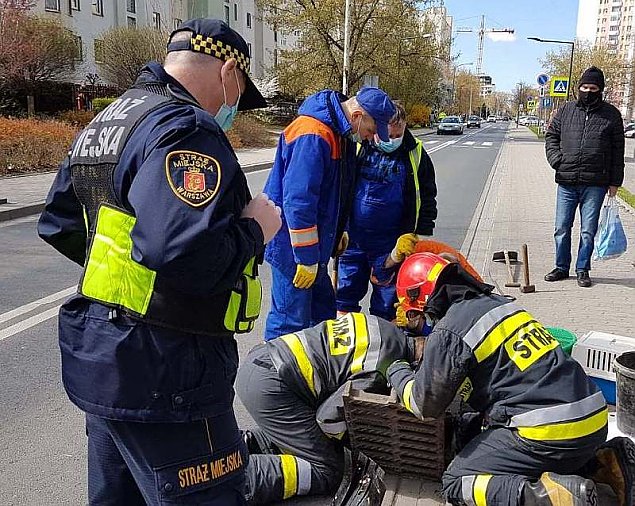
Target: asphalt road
<point>42,441</point>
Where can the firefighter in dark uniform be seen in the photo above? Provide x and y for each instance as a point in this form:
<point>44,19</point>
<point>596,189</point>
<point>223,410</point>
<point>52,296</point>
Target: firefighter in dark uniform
<point>292,386</point>
<point>152,202</point>
<point>543,415</point>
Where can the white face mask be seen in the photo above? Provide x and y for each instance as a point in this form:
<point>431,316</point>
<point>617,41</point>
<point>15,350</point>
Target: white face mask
<point>226,113</point>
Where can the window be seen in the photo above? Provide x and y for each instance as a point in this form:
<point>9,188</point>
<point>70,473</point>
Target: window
<point>75,5</point>
<point>156,20</point>
<point>251,54</point>
<point>52,5</point>
<point>176,22</point>
<point>98,7</point>
<point>249,20</point>
<point>296,33</point>
<point>98,49</point>
<point>79,53</point>
<point>615,9</point>
<point>227,11</point>
<point>614,28</point>
<point>131,6</point>
<point>275,36</point>
<point>132,22</point>
<point>235,12</point>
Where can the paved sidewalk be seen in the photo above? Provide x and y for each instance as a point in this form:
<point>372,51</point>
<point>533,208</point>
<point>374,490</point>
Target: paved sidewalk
<point>26,194</point>
<point>519,207</point>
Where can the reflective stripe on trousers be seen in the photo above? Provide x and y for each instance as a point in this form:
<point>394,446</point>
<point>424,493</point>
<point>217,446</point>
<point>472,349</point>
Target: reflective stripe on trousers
<point>296,476</point>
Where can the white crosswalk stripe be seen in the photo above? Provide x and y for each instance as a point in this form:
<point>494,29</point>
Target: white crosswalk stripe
<point>469,143</point>
<point>487,143</point>
<point>432,142</point>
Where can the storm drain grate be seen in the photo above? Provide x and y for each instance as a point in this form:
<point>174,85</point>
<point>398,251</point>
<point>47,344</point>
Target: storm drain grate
<point>401,444</point>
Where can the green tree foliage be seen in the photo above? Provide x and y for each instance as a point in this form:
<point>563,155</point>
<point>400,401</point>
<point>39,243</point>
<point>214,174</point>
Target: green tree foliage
<point>387,39</point>
<point>616,70</point>
<point>124,51</point>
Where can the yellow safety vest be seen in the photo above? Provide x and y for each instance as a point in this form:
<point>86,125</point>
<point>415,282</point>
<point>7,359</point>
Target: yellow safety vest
<point>112,277</point>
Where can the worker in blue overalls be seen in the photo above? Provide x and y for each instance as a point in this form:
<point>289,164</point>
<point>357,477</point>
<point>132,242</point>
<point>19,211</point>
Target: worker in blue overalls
<point>152,202</point>
<point>311,180</point>
<point>394,203</point>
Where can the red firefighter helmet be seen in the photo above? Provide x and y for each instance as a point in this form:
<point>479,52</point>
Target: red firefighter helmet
<point>417,279</point>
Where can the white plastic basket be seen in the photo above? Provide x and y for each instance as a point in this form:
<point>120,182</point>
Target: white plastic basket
<point>596,351</point>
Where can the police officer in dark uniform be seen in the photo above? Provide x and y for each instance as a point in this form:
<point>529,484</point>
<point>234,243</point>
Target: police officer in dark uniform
<point>152,202</point>
<point>546,420</point>
<point>293,388</point>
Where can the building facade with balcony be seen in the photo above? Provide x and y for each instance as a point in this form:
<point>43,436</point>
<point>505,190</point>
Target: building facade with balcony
<point>611,23</point>
<point>89,19</point>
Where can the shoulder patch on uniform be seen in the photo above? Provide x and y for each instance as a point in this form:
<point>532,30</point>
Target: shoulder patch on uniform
<point>193,177</point>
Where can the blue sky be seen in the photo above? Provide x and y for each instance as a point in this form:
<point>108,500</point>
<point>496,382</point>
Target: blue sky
<point>516,60</point>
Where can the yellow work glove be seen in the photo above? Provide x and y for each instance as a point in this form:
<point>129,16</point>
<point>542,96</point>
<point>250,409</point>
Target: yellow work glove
<point>401,320</point>
<point>405,246</point>
<point>305,276</point>
<point>343,244</point>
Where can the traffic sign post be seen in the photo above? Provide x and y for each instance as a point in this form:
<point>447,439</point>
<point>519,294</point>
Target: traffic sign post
<point>559,86</point>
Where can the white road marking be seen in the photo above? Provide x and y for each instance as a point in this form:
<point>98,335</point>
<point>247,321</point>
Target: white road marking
<point>28,323</point>
<point>26,308</point>
<point>487,143</point>
<point>431,142</point>
<point>469,143</point>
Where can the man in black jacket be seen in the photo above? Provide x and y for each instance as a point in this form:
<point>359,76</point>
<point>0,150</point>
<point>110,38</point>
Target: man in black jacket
<point>585,146</point>
<point>395,194</point>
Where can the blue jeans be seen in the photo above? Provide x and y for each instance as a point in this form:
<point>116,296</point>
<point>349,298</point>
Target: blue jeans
<point>294,309</point>
<point>589,199</point>
<point>354,275</point>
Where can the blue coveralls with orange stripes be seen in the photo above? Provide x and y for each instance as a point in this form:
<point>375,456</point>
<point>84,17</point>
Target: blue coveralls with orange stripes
<point>311,177</point>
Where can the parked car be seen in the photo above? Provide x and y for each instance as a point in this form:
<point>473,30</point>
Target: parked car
<point>450,125</point>
<point>532,121</point>
<point>629,130</point>
<point>491,119</point>
<point>473,121</point>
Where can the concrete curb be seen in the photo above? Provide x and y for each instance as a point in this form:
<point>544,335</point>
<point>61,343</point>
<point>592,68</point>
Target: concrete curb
<point>38,207</point>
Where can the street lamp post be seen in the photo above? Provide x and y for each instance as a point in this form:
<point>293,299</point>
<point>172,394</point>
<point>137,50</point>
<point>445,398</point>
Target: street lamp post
<point>572,44</point>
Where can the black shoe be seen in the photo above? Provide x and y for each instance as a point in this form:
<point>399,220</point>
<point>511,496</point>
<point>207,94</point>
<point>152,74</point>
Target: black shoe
<point>556,275</point>
<point>583,279</point>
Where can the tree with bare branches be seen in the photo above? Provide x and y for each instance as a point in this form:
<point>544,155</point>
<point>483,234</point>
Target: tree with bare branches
<point>124,51</point>
<point>387,38</point>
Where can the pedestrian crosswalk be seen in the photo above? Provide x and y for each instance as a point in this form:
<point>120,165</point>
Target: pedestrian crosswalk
<point>466,144</point>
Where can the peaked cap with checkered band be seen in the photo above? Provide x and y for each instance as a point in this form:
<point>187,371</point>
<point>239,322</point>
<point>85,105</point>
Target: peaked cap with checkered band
<point>217,39</point>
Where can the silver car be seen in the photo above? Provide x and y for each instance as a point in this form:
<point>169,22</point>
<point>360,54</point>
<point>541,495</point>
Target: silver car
<point>450,125</point>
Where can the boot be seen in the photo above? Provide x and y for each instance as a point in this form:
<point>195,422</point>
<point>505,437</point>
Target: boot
<point>614,464</point>
<point>558,490</point>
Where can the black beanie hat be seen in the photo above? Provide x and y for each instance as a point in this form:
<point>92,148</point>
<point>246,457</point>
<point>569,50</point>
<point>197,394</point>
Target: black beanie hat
<point>592,75</point>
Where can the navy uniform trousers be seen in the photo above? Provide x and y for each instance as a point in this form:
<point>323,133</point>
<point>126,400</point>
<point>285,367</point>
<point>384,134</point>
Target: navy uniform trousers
<point>496,463</point>
<point>297,457</point>
<point>134,463</point>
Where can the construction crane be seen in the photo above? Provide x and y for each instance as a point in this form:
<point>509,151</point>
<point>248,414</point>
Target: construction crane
<point>481,37</point>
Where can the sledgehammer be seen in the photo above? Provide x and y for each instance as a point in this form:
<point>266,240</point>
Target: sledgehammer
<point>507,256</point>
<point>526,288</point>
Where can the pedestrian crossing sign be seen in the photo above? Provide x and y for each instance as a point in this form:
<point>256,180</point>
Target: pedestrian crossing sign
<point>531,104</point>
<point>559,86</point>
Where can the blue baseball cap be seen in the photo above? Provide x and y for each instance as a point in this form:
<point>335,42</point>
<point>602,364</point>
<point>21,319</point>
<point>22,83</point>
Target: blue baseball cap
<point>378,104</point>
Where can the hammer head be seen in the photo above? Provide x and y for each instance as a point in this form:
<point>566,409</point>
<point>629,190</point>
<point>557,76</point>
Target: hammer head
<point>528,288</point>
<point>499,256</point>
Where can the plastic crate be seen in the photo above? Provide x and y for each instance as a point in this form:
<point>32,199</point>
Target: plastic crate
<point>400,443</point>
<point>596,351</point>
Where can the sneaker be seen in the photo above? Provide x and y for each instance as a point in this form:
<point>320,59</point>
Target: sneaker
<point>615,466</point>
<point>583,279</point>
<point>556,275</point>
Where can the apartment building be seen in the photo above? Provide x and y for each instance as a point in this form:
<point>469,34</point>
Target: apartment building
<point>611,23</point>
<point>89,19</point>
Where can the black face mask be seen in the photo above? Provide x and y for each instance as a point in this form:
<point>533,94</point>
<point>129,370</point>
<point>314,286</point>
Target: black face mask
<point>589,98</point>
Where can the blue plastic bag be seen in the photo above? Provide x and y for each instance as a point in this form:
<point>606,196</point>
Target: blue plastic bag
<point>610,240</point>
